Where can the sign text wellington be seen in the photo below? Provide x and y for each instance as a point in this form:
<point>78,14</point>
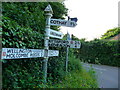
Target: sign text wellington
<point>15,53</point>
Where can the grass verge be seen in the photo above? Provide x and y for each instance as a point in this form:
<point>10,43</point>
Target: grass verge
<point>77,77</point>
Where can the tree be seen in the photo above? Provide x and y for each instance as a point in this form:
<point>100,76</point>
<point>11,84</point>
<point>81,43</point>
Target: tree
<point>111,33</point>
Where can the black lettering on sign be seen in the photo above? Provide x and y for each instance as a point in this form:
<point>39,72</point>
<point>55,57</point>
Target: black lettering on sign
<point>14,53</point>
<point>9,51</point>
<point>21,55</point>
<point>21,51</point>
<point>55,34</point>
<point>54,22</point>
<point>65,22</point>
<point>71,23</point>
<point>34,54</point>
<point>58,22</point>
<point>51,21</point>
<point>10,56</point>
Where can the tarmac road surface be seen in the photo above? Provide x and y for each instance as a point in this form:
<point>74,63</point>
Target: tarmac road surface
<point>107,76</point>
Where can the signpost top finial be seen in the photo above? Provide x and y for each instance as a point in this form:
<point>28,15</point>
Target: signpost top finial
<point>48,9</point>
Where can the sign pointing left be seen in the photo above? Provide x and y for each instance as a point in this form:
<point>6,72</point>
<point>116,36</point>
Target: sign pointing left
<point>16,53</point>
<point>48,9</point>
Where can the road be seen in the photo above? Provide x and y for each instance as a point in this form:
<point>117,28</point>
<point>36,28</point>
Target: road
<point>107,76</point>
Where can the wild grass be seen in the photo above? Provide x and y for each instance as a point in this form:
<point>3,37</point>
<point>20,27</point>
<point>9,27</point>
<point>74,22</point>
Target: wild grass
<point>77,76</point>
<point>77,79</point>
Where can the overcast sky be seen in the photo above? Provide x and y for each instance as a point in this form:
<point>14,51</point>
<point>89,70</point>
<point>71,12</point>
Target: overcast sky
<point>95,17</point>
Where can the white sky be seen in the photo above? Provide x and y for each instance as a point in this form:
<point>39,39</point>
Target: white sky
<point>95,17</point>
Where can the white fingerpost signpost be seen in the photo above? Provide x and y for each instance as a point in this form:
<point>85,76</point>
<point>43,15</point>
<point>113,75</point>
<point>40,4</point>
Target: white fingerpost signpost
<point>48,10</point>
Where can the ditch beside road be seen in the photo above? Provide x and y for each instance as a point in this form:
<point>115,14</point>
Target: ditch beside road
<point>107,76</point>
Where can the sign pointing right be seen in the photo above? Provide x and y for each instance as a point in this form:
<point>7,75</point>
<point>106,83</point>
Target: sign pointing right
<point>64,43</point>
<point>54,34</point>
<point>59,22</point>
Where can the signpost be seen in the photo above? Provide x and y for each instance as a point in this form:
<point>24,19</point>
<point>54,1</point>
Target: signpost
<point>15,53</point>
<point>64,43</point>
<point>48,14</point>
<point>59,22</point>
<point>54,34</point>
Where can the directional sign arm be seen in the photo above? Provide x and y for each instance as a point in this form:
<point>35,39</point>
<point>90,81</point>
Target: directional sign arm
<point>55,34</point>
<point>16,53</point>
<point>59,22</point>
<point>64,43</point>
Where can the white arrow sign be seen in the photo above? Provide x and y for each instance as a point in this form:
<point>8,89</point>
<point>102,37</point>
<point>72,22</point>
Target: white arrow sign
<point>59,22</point>
<point>53,53</point>
<point>15,53</point>
<point>64,43</point>
<point>54,34</point>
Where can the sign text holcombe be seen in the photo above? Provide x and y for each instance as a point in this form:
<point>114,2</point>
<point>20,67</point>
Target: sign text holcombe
<point>15,53</point>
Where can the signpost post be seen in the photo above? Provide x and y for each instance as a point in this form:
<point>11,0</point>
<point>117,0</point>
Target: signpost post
<point>67,50</point>
<point>48,14</point>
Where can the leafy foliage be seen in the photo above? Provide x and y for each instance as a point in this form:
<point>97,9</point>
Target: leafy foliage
<point>100,52</point>
<point>111,33</point>
<point>77,79</point>
<point>23,27</point>
<point>17,36</point>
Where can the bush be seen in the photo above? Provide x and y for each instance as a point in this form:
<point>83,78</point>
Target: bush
<point>100,52</point>
<point>76,77</point>
<point>23,25</point>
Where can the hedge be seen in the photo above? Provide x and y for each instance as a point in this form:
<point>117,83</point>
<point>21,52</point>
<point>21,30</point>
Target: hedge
<point>100,52</point>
